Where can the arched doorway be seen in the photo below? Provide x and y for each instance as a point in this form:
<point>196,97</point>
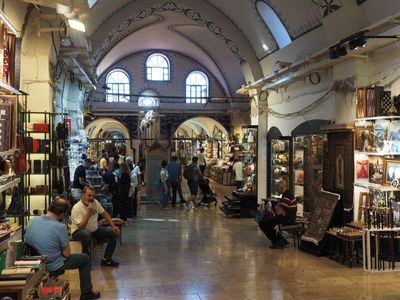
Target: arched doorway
<point>196,133</point>
<point>108,134</point>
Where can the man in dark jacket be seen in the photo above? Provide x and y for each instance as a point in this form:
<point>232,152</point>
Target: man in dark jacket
<point>285,214</point>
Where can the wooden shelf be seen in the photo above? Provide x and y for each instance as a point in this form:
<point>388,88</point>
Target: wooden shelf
<point>8,89</point>
<point>372,186</point>
<point>8,152</point>
<point>379,118</point>
<point>10,184</point>
<point>376,153</point>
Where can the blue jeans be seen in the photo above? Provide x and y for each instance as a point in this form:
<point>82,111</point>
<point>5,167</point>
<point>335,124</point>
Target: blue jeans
<point>102,233</point>
<point>165,198</point>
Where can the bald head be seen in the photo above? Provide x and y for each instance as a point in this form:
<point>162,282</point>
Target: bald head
<point>58,207</point>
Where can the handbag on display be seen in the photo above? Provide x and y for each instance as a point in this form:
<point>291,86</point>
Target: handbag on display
<point>35,146</point>
<point>28,144</point>
<point>37,166</point>
<point>16,205</point>
<point>46,167</point>
<point>44,146</point>
<point>40,127</point>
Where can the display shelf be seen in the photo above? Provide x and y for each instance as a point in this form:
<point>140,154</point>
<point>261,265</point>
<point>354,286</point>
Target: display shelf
<point>378,118</point>
<point>9,185</point>
<point>376,153</point>
<point>8,89</point>
<point>8,152</point>
<point>373,186</point>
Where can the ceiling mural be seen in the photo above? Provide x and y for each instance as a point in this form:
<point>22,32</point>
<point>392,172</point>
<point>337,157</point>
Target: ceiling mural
<point>126,27</point>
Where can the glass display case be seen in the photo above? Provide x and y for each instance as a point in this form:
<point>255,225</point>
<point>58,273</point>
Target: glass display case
<point>249,152</point>
<point>280,164</point>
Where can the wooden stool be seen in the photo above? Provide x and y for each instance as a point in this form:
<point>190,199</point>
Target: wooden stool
<point>296,230</point>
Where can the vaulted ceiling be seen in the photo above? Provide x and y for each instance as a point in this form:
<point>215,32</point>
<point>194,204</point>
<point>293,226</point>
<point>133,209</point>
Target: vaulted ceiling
<point>223,35</point>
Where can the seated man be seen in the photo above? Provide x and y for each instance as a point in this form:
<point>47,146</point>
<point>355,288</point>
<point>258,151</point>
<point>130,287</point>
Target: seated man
<point>49,236</point>
<point>285,214</point>
<point>85,225</point>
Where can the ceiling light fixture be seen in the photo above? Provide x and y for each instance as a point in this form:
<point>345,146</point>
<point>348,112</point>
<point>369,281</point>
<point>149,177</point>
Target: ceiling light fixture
<point>357,41</point>
<point>76,24</point>
<point>4,18</point>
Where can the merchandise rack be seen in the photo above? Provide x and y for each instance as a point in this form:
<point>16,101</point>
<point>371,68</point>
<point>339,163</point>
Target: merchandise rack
<point>46,179</point>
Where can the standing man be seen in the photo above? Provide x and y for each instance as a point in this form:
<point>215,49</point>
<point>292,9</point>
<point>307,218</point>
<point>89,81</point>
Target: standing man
<point>103,164</point>
<point>135,169</point>
<point>80,182</point>
<point>49,236</point>
<point>193,175</point>
<point>202,161</point>
<point>285,214</point>
<point>238,170</point>
<point>85,225</point>
<point>174,171</point>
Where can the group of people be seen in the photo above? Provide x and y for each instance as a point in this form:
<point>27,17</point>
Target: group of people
<point>49,236</point>
<point>122,181</point>
<point>171,177</point>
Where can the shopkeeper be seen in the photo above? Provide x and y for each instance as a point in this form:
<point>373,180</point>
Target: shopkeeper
<point>284,214</point>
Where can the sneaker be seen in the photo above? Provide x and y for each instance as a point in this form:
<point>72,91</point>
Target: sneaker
<point>109,263</point>
<point>90,295</point>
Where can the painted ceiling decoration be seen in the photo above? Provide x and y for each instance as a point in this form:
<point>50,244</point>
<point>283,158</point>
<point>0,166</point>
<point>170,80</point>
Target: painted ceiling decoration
<point>328,6</point>
<point>126,27</point>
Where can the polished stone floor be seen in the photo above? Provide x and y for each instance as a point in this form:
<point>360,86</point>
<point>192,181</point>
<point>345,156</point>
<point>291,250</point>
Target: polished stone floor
<point>175,254</point>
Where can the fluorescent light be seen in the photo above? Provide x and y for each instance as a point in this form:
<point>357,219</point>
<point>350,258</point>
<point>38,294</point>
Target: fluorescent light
<point>265,47</point>
<point>7,22</point>
<point>76,24</point>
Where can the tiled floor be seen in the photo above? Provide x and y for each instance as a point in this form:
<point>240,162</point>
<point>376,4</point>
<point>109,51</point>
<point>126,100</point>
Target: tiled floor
<point>174,254</point>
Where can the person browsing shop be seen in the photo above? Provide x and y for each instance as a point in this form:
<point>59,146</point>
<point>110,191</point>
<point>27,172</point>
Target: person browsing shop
<point>80,181</point>
<point>48,236</point>
<point>239,174</point>
<point>85,225</point>
<point>202,161</point>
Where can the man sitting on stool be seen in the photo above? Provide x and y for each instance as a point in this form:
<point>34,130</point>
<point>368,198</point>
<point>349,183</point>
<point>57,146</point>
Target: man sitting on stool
<point>285,214</point>
<point>49,236</point>
<point>85,225</point>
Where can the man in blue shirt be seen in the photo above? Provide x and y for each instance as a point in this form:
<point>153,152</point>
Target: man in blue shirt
<point>174,180</point>
<point>49,236</point>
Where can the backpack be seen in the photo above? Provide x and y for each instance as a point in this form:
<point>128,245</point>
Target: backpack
<point>188,172</point>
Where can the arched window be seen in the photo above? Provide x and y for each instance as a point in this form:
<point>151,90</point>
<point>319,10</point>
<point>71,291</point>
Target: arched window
<point>274,23</point>
<point>196,87</point>
<point>118,86</point>
<point>148,98</point>
<point>157,67</point>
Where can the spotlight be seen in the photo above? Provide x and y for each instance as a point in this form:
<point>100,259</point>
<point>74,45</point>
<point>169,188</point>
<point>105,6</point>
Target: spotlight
<point>337,51</point>
<point>341,50</point>
<point>357,42</point>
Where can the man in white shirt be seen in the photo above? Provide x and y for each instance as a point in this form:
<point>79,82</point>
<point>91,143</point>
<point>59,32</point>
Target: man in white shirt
<point>85,225</point>
<point>202,161</point>
<point>239,174</point>
<point>135,169</point>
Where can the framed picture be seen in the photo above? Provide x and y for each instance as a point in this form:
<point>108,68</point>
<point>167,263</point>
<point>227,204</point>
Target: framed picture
<point>362,137</point>
<point>361,103</point>
<point>376,169</point>
<point>392,171</point>
<point>362,169</point>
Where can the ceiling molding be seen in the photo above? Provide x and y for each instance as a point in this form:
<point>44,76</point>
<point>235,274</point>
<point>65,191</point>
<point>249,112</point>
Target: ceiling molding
<point>125,28</point>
